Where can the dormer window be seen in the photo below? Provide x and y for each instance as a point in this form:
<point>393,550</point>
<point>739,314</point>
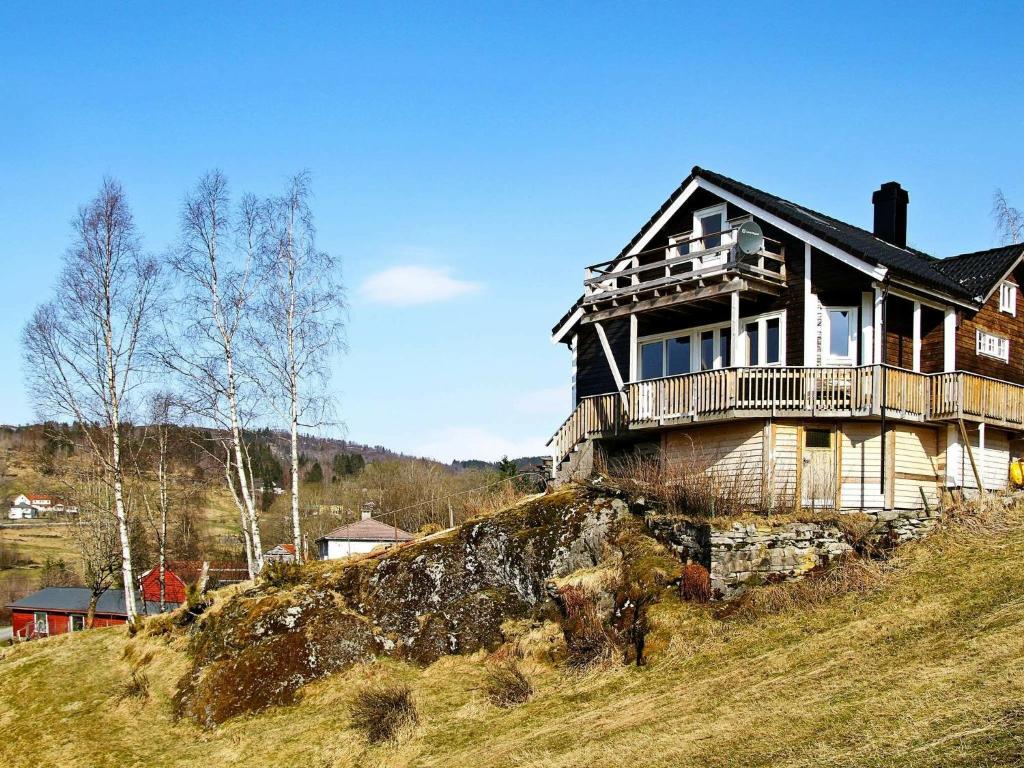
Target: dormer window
<point>1008,298</point>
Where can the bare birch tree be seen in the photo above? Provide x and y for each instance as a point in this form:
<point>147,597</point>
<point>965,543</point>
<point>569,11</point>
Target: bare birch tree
<point>300,323</point>
<point>84,347</point>
<point>157,501</point>
<point>206,348</point>
<point>1009,220</point>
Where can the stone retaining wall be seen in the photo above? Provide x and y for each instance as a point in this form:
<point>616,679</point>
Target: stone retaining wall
<point>738,555</point>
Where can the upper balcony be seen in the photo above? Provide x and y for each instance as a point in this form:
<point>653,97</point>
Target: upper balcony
<point>693,266</point>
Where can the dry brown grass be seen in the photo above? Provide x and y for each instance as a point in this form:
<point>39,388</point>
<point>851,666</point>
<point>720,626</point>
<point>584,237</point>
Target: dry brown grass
<point>847,576</point>
<point>693,487</point>
<point>924,671</point>
<point>384,713</point>
<point>506,685</point>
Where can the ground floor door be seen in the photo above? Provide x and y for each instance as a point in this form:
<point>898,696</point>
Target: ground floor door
<point>818,473</point>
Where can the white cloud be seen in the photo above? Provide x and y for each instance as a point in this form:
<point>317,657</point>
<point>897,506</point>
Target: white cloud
<point>550,401</point>
<point>476,443</point>
<point>409,285</point>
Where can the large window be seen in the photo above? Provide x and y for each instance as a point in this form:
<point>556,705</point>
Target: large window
<point>652,360</point>
<point>678,355</point>
<point>41,622</point>
<point>840,335</point>
<point>710,348</point>
<point>763,344</point>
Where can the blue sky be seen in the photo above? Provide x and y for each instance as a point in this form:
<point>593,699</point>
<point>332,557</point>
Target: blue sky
<point>491,152</point>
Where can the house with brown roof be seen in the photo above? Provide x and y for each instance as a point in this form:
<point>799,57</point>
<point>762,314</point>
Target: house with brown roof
<point>362,536</point>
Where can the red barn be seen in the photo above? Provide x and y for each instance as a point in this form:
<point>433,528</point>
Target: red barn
<point>180,574</point>
<point>175,588</point>
<point>58,610</point>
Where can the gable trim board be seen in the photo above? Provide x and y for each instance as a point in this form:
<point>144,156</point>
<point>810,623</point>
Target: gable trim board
<point>878,272</point>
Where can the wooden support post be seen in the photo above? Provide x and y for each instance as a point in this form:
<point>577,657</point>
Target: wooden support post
<point>810,313</point>
<point>949,340</point>
<point>877,322</point>
<point>916,337</point>
<point>614,366</point>
<point>734,330</point>
<point>970,455</point>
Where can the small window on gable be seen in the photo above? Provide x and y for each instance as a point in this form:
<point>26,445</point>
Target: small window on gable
<point>990,345</point>
<point>1008,298</point>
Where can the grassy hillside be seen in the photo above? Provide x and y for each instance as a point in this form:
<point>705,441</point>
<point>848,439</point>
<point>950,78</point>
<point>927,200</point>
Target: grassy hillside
<point>925,668</point>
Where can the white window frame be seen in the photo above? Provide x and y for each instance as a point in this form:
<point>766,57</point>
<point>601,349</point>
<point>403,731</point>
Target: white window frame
<point>694,335</point>
<point>45,622</point>
<point>710,260</point>
<point>737,356</point>
<point>762,338</point>
<point>71,621</point>
<point>1008,298</point>
<point>851,357</point>
<point>992,345</point>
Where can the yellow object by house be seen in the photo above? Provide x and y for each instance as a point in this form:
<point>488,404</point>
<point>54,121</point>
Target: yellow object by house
<point>1017,472</point>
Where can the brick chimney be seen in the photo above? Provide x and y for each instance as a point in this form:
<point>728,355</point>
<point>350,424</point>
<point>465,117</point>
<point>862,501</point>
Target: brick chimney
<point>890,203</point>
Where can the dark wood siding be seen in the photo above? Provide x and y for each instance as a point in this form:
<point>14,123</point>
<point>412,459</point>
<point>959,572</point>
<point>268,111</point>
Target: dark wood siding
<point>932,340</point>
<point>593,374</point>
<point>899,332</point>
<point>990,319</point>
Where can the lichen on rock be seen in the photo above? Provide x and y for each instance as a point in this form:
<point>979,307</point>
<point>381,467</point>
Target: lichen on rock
<point>447,594</point>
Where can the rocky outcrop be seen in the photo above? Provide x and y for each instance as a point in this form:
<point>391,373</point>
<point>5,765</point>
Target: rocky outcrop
<point>446,594</point>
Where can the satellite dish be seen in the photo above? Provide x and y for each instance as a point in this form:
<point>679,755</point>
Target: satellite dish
<point>750,238</point>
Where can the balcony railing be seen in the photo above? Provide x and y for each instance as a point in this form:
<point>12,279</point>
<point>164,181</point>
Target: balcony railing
<point>688,259</point>
<point>793,392</point>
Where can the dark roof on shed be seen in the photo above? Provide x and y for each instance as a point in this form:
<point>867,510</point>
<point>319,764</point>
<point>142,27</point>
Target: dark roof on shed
<point>76,600</point>
<point>368,529</point>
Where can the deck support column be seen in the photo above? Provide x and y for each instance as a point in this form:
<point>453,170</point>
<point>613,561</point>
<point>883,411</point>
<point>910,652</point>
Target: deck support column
<point>734,330</point>
<point>949,340</point>
<point>877,323</point>
<point>916,337</point>
<point>810,313</point>
<point>633,332</point>
<point>614,366</point>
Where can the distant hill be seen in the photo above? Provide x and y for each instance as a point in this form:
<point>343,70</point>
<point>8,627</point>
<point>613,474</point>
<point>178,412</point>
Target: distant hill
<point>523,463</point>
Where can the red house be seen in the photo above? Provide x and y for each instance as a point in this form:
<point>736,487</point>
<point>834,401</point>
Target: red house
<point>58,610</point>
<point>180,574</point>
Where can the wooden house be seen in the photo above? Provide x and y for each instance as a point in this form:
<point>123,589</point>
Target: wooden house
<point>180,574</point>
<point>741,335</point>
<point>59,610</point>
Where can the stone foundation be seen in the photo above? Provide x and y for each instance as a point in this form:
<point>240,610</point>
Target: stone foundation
<point>738,555</point>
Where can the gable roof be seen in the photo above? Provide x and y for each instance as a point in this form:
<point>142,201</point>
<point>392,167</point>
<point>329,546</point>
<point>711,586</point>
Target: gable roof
<point>979,272</point>
<point>967,277</point>
<point>911,263</point>
<point>76,600</point>
<point>286,548</point>
<point>367,529</point>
